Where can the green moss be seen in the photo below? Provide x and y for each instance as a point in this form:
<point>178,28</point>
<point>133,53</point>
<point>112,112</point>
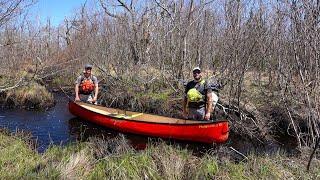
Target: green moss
<point>264,170</point>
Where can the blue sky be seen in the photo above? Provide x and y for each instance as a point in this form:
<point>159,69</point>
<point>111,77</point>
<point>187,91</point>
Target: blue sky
<point>57,10</point>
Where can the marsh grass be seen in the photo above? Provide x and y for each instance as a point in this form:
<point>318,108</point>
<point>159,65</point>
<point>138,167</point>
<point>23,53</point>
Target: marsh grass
<point>31,96</point>
<point>76,166</point>
<point>114,158</point>
<point>17,159</point>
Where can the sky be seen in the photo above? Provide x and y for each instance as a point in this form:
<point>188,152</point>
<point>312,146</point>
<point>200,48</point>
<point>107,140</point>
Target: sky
<point>56,10</point>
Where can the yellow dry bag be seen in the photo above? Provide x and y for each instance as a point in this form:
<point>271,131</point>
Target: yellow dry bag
<point>194,95</point>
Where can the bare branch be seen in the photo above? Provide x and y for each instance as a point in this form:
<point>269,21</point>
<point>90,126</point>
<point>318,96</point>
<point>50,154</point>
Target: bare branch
<point>126,7</point>
<point>165,9</point>
<point>106,10</point>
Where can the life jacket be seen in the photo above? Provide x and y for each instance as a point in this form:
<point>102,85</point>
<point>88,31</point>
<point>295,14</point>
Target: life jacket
<point>86,86</point>
<point>194,95</point>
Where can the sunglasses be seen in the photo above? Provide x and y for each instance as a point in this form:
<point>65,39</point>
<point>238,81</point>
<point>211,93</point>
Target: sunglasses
<point>196,72</point>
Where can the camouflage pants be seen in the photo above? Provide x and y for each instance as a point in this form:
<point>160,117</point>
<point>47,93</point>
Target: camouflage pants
<point>197,113</point>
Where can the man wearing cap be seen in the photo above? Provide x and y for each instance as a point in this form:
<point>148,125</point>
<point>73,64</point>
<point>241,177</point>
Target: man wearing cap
<point>86,88</point>
<point>197,104</point>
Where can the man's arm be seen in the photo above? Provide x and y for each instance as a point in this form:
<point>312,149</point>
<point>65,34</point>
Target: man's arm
<point>208,106</point>
<point>76,89</point>
<point>96,90</point>
<point>185,111</point>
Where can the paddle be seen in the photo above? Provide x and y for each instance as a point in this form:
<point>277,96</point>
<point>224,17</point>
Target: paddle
<point>124,116</point>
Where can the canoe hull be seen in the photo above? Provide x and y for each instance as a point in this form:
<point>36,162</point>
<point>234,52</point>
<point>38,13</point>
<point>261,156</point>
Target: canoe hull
<point>211,132</point>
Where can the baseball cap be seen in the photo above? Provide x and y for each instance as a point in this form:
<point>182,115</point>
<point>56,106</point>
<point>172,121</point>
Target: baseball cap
<point>88,66</point>
<point>196,68</point>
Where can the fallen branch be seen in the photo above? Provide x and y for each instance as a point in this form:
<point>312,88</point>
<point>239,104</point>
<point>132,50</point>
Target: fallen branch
<point>239,153</point>
<point>12,87</point>
<point>313,152</point>
<point>241,124</point>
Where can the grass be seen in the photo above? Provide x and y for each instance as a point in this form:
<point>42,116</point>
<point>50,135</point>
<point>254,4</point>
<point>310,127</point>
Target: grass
<point>116,159</point>
<point>31,96</point>
<point>17,160</point>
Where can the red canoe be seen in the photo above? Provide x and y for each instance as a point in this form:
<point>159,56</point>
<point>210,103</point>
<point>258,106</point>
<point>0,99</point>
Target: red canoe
<point>152,125</point>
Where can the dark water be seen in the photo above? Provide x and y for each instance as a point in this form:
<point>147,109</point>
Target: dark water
<point>47,127</point>
<point>55,126</point>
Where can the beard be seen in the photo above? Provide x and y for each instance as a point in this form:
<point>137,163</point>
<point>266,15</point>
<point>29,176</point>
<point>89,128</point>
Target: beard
<point>197,78</point>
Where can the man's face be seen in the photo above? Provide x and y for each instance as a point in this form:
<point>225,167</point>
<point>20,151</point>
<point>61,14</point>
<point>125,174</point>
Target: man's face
<point>87,72</point>
<point>197,75</point>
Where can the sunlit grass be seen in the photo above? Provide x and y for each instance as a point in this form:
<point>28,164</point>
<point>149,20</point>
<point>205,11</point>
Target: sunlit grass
<point>116,159</point>
<point>17,160</point>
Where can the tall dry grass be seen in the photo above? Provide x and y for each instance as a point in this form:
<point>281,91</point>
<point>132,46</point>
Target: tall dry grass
<point>115,159</point>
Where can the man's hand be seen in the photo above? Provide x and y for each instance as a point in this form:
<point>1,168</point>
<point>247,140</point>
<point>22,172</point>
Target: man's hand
<point>77,98</point>
<point>94,99</point>
<point>207,116</point>
<point>185,115</point>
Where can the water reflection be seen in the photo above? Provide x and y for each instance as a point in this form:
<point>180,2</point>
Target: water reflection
<point>82,130</point>
<point>47,127</point>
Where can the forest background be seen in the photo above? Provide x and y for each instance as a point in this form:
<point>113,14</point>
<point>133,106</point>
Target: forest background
<point>266,53</point>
